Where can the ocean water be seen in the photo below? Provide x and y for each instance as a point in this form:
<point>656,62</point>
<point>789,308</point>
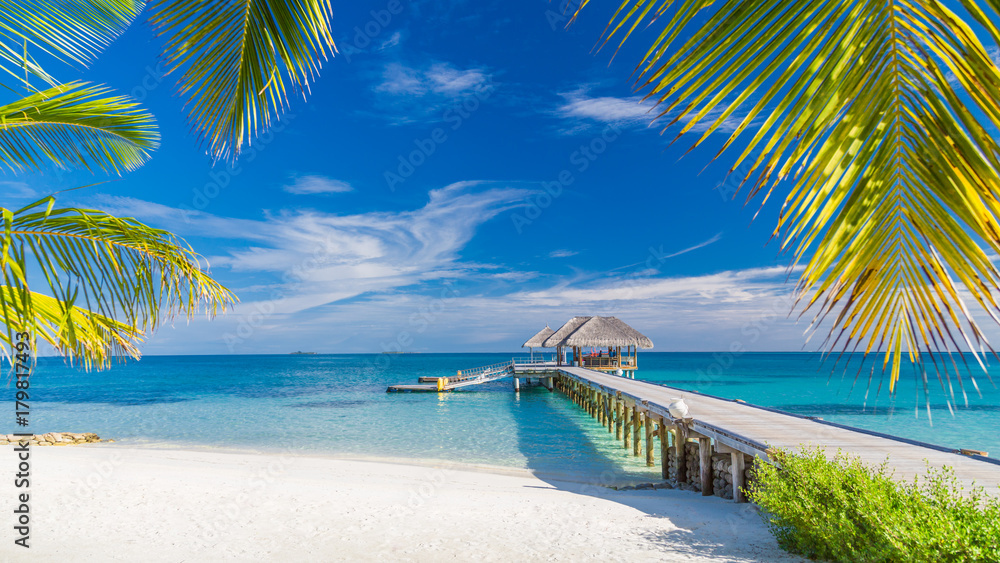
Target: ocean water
<point>337,405</point>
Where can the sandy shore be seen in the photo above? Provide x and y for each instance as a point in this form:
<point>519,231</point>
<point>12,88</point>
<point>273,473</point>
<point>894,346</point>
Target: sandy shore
<point>108,503</point>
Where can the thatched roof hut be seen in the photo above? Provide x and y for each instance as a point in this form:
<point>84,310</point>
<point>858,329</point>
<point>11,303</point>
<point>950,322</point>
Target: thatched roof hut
<point>537,340</point>
<point>607,331</point>
<point>564,331</point>
<point>621,341</point>
<point>597,331</point>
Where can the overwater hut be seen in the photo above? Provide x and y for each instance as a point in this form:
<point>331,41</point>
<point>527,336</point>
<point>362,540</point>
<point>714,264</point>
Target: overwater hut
<point>605,337</point>
<point>538,340</point>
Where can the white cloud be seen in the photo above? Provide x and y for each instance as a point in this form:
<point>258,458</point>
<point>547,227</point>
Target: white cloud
<point>321,258</point>
<point>606,109</point>
<point>317,185</point>
<point>580,108</point>
<point>441,79</point>
<point>392,41</point>
<point>412,93</point>
<point>562,253</point>
<point>17,190</point>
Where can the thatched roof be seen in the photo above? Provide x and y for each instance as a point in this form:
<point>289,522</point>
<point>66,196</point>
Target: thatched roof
<point>564,331</point>
<point>598,331</point>
<point>537,340</point>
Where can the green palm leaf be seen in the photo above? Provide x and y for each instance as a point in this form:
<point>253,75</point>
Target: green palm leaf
<point>108,279</point>
<point>74,331</point>
<point>881,117</point>
<point>73,31</point>
<point>76,125</point>
<point>241,59</point>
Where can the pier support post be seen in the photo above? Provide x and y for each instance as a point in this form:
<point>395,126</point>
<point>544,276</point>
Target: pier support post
<point>650,461</point>
<point>625,422</point>
<point>618,419</point>
<point>705,462</point>
<point>664,451</point>
<point>739,469</point>
<point>680,439</point>
<point>548,384</point>
<point>609,418</point>
<point>636,437</point>
<point>517,385</point>
<point>601,411</point>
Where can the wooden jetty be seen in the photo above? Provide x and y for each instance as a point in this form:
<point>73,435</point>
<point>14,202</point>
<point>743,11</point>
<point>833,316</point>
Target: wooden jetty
<point>718,428</point>
<point>713,447</point>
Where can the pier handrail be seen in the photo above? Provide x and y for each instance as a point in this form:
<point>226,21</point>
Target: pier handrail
<point>529,361</point>
<point>476,372</point>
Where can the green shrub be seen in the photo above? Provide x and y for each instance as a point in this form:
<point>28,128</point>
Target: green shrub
<point>844,510</point>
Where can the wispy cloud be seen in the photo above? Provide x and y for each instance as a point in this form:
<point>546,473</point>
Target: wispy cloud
<point>317,185</point>
<point>414,92</point>
<point>17,190</point>
<point>320,258</point>
<point>393,40</point>
<point>438,78</point>
<point>606,109</point>
<point>580,109</point>
<point>562,253</point>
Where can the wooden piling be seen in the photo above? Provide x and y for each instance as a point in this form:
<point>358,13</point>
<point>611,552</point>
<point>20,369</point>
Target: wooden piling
<point>609,408</point>
<point>739,469</point>
<point>636,437</point>
<point>650,461</point>
<point>680,439</point>
<point>705,462</point>
<point>626,420</point>
<point>664,450</point>
<point>618,419</point>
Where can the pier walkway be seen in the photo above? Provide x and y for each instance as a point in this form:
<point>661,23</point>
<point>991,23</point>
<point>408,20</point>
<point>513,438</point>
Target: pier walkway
<point>733,426</point>
<point>713,446</point>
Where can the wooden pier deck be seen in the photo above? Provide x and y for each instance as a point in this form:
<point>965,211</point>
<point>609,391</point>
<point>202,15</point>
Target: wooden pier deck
<point>733,426</point>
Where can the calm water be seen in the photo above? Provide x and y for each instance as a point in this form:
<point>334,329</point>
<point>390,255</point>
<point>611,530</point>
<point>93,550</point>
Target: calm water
<point>336,404</point>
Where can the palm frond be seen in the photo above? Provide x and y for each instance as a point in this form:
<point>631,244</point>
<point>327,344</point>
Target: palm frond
<point>881,116</point>
<point>73,31</point>
<point>240,60</point>
<point>74,332</point>
<point>76,125</point>
<point>112,279</point>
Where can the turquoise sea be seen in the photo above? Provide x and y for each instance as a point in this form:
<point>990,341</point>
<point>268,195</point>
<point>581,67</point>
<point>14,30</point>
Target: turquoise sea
<point>337,405</point>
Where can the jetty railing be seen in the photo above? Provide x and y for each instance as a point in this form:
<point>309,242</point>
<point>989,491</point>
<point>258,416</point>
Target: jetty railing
<point>467,374</point>
<point>533,360</point>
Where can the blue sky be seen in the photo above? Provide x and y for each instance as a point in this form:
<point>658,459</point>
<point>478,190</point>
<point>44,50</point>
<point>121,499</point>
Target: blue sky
<point>462,174</point>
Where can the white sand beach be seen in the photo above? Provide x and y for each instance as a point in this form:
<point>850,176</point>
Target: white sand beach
<point>107,503</point>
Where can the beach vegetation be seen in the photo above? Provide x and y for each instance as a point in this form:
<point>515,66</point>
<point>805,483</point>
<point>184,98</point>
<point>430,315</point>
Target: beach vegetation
<point>841,509</point>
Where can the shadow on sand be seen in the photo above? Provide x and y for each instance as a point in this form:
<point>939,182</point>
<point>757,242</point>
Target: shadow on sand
<point>699,526</point>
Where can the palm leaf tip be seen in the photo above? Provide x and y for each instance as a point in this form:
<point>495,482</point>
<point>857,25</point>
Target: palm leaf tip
<point>76,125</point>
<point>240,60</point>
<point>69,30</point>
<point>862,109</point>
<point>108,280</point>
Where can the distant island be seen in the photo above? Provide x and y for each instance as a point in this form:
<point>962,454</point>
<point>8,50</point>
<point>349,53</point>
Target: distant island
<point>301,353</point>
